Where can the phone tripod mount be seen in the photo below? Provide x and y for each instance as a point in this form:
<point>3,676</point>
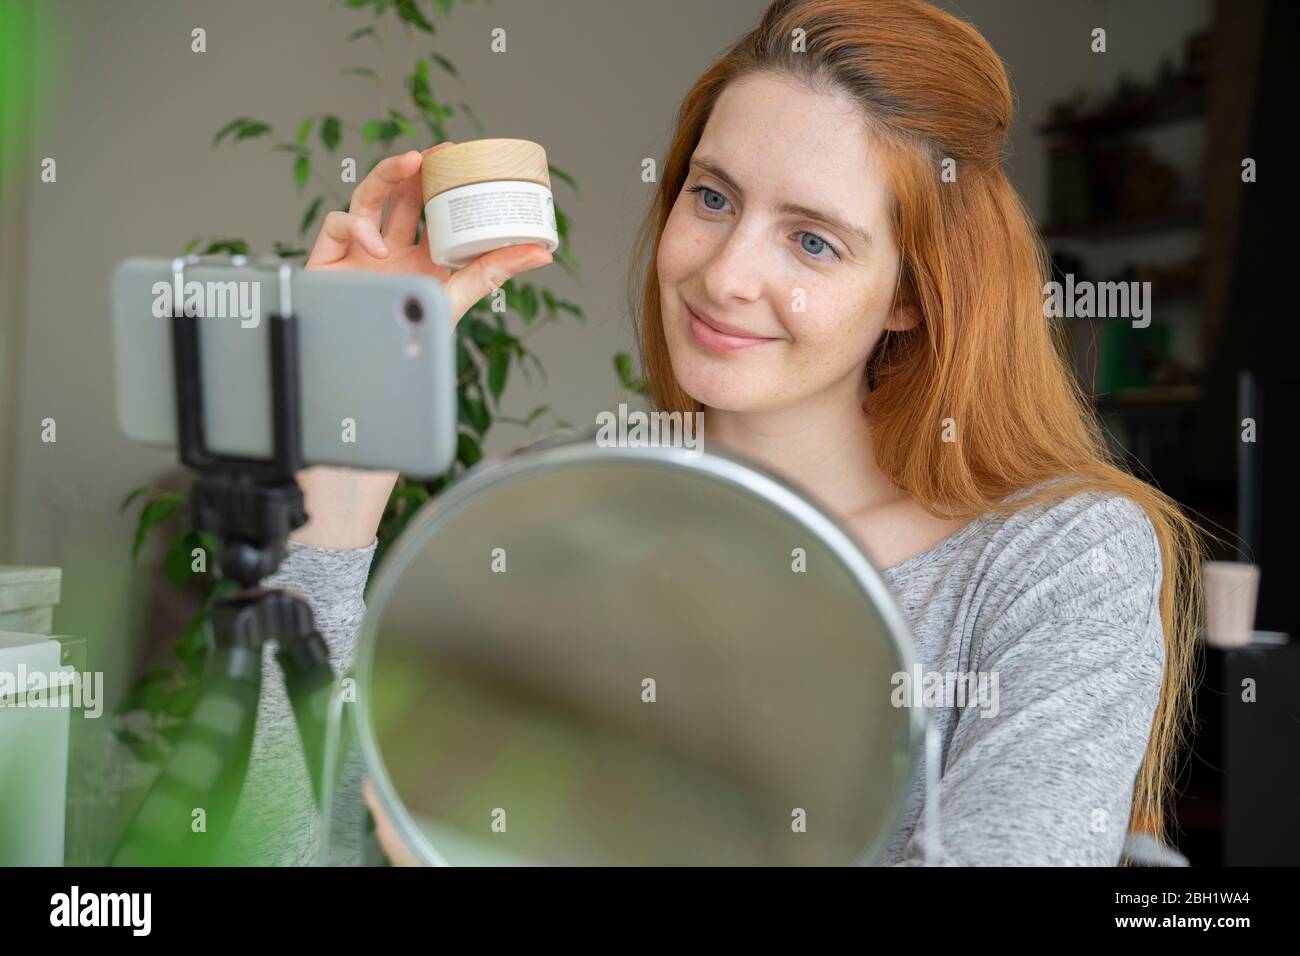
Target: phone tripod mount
<point>251,505</point>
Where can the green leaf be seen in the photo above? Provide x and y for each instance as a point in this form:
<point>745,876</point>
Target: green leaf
<point>476,414</point>
<point>137,492</point>
<point>482,334</point>
<point>444,6</point>
<point>180,559</point>
<point>421,92</point>
<point>301,170</point>
<point>570,307</point>
<point>305,130</point>
<point>286,251</point>
<point>330,132</point>
<point>623,365</point>
<point>363,32</point>
<point>309,216</point>
<point>536,413</point>
<point>408,12</point>
<point>372,130</point>
<point>564,177</point>
<point>210,543</point>
<point>194,641</point>
<point>152,515</point>
<point>446,64</point>
<point>528,303</point>
<point>252,130</point>
<point>468,451</point>
<point>182,701</point>
<point>626,375</point>
<point>229,128</point>
<point>413,492</point>
<point>498,368</point>
<point>235,247</point>
<point>191,245</point>
<point>403,124</point>
<point>221,588</point>
<point>464,362</point>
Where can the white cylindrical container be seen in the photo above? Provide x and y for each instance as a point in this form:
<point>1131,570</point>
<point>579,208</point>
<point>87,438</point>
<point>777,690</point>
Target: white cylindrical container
<point>484,195</point>
<point>1231,589</point>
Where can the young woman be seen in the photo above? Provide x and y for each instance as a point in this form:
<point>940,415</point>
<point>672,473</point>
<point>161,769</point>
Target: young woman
<point>840,276</point>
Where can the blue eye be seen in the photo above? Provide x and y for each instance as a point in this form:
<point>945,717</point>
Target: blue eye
<point>820,244</point>
<point>817,239</point>
<point>707,192</point>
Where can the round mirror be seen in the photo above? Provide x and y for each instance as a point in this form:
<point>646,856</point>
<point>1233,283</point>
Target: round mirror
<point>586,655</point>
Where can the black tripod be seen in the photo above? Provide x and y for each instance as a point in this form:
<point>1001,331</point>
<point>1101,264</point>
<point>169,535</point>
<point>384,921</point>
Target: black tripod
<point>251,505</point>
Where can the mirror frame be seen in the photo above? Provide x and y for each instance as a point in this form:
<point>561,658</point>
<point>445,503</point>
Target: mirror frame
<point>558,451</point>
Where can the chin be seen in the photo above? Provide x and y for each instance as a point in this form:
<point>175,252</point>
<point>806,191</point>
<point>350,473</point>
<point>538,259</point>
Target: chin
<point>728,382</point>
<point>724,385</point>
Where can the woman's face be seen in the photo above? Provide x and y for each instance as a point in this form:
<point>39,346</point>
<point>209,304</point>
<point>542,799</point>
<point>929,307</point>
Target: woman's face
<point>806,299</point>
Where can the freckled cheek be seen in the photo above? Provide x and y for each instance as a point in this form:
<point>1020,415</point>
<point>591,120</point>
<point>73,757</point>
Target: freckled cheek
<point>683,249</point>
<point>830,336</point>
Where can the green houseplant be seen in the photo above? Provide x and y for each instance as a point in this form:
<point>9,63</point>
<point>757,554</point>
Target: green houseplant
<point>489,344</point>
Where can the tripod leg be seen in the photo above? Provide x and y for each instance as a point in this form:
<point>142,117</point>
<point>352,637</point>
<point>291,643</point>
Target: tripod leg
<point>309,684</point>
<point>204,776</point>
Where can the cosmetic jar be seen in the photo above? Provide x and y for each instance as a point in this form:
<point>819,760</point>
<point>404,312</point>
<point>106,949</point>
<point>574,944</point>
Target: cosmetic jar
<point>486,194</point>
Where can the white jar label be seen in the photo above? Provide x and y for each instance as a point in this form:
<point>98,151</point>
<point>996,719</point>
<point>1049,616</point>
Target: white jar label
<point>502,206</point>
<point>468,221</point>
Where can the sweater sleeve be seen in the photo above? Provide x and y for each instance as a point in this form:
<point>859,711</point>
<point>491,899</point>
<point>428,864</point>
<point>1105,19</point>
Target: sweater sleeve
<point>1044,776</point>
<point>276,822</point>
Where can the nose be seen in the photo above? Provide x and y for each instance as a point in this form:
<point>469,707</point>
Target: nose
<point>735,269</point>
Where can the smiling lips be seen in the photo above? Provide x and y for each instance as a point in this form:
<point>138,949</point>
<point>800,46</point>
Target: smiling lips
<point>721,338</point>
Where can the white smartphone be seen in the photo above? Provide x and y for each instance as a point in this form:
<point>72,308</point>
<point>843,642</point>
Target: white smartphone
<point>377,385</point>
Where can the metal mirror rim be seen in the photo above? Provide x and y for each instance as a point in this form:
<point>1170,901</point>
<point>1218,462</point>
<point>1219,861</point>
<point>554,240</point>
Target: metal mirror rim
<point>727,467</point>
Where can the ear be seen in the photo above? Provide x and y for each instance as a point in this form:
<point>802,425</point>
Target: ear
<point>903,319</point>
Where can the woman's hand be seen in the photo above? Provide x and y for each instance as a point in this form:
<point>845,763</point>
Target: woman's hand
<point>356,240</point>
<point>345,505</point>
<point>385,832</point>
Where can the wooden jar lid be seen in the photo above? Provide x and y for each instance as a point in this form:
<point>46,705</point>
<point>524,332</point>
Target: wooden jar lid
<point>483,161</point>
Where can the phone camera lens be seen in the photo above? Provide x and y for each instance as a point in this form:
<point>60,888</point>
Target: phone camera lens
<point>413,310</point>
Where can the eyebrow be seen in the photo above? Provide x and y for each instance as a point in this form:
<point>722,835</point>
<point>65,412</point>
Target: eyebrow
<point>792,209</point>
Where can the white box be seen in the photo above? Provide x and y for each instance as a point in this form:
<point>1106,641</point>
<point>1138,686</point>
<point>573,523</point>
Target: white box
<point>34,733</point>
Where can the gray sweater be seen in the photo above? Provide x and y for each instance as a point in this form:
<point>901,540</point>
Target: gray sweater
<point>1055,608</point>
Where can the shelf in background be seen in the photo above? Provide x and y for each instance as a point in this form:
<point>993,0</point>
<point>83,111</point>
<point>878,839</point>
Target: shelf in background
<point>1188,217</point>
<point>1157,109</point>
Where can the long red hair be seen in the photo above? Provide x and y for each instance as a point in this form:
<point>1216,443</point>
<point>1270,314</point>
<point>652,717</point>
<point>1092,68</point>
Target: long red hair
<point>973,266</point>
